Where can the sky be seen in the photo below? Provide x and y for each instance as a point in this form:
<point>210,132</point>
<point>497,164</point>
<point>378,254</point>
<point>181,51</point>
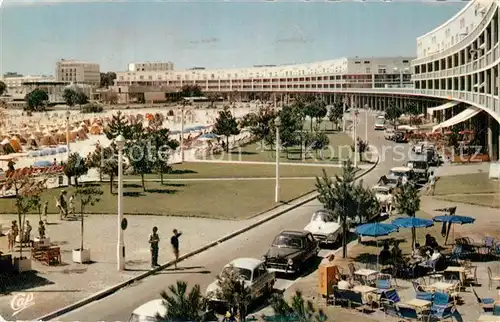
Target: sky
<point>35,34</point>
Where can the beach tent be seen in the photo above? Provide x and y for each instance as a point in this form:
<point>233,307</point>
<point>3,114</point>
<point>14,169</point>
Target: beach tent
<point>5,147</point>
<point>14,143</point>
<point>95,129</point>
<point>32,141</point>
<point>20,139</point>
<point>48,140</point>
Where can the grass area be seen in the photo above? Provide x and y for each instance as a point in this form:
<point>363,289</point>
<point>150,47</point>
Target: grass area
<point>192,170</point>
<point>466,184</point>
<point>339,148</point>
<point>488,200</point>
<point>210,199</point>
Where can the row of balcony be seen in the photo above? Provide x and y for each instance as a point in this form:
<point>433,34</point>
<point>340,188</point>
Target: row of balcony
<point>466,41</point>
<point>473,67</point>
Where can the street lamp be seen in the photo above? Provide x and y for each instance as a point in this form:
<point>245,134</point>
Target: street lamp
<point>277,123</point>
<point>67,134</point>
<point>120,250</point>
<point>366,122</point>
<point>182,130</point>
<point>355,138</point>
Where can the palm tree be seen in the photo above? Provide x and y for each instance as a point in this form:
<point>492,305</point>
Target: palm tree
<point>407,201</point>
<point>182,305</point>
<point>298,309</point>
<point>339,196</point>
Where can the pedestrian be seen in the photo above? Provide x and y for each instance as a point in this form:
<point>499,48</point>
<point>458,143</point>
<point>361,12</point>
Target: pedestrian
<point>44,211</point>
<point>41,230</point>
<point>27,232</point>
<point>154,239</point>
<point>174,240</point>
<point>432,184</point>
<point>62,205</point>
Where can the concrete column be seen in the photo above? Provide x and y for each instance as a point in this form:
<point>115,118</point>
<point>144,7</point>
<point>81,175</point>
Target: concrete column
<point>490,138</point>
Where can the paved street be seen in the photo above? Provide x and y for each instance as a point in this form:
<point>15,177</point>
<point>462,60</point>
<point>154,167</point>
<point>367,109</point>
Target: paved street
<point>203,268</point>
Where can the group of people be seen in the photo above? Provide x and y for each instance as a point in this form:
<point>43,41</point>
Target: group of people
<point>14,232</point>
<point>65,209</point>
<point>154,241</point>
<point>390,256</point>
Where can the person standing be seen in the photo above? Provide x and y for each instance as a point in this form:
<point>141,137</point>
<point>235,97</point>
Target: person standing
<point>27,232</point>
<point>45,212</point>
<point>62,205</point>
<point>41,230</point>
<point>174,240</point>
<point>154,240</point>
<point>432,184</point>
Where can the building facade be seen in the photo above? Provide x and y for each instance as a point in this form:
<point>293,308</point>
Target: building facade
<point>78,72</point>
<point>15,82</point>
<point>150,66</point>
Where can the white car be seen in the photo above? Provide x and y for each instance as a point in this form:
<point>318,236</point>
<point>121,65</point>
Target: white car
<point>148,311</point>
<point>324,227</point>
<point>253,273</point>
<point>383,195</point>
<point>402,172</point>
<point>379,125</point>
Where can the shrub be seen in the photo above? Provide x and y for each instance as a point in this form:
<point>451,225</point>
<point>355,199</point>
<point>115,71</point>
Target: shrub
<point>92,108</point>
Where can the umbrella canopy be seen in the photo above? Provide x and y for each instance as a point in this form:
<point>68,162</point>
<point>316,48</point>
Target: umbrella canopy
<point>208,137</point>
<point>376,229</point>
<point>412,222</point>
<point>455,219</point>
<point>42,163</point>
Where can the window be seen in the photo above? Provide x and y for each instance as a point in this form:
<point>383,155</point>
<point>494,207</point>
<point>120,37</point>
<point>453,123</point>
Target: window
<point>368,70</point>
<point>366,61</point>
<point>462,22</point>
<point>381,71</point>
<point>357,62</point>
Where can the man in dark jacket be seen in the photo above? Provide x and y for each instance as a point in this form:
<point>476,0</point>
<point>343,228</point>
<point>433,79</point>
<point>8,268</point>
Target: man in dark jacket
<point>174,241</point>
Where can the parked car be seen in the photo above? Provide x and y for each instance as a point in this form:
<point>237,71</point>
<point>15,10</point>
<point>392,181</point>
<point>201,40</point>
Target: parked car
<point>432,156</point>
<point>401,172</point>
<point>400,137</point>
<point>379,125</point>
<point>290,251</point>
<point>253,273</point>
<point>147,312</point>
<point>383,195</point>
<point>420,168</point>
<point>389,134</point>
<point>324,227</point>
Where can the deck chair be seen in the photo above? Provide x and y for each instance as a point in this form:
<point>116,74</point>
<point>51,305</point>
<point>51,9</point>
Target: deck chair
<point>492,278</point>
<point>408,313</point>
<point>390,309</point>
<point>486,303</point>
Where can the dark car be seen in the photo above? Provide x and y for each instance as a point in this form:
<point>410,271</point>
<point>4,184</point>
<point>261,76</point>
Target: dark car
<point>400,137</point>
<point>420,167</point>
<point>290,251</point>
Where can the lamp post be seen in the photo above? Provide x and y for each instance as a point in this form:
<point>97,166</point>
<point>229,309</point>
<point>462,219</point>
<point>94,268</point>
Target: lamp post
<point>182,131</point>
<point>366,122</point>
<point>277,123</point>
<point>67,134</point>
<point>120,247</point>
<point>355,138</point>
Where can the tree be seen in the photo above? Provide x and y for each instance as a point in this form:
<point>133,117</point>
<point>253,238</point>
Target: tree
<point>291,124</point>
<point>88,196</point>
<point>121,125</point>
<point>91,108</point>
<point>109,97</point>
<point>227,125</point>
<point>107,79</point>
<point>181,305</point>
<point>191,91</point>
<point>363,146</point>
<point>36,99</point>
<point>320,111</point>
<point>260,123</point>
<point>339,197</point>
<point>213,97</point>
<point>36,203</point>
<point>108,164</point>
<point>3,88</point>
<point>412,110</point>
<point>233,291</point>
<point>162,144</point>
<point>74,97</point>
<point>321,141</point>
<point>368,205</point>
<point>392,113</point>
<point>74,167</point>
<point>141,162</point>
<point>298,310</point>
<point>336,113</point>
<point>407,201</point>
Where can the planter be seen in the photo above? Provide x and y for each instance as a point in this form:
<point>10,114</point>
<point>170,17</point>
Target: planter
<point>81,256</point>
<point>22,265</point>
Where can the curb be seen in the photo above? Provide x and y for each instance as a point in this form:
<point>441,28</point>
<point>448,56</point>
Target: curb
<point>113,289</point>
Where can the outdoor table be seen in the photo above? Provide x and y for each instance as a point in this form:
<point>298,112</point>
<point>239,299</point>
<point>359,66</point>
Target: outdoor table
<point>365,291</point>
<point>456,271</point>
<point>366,274</point>
<point>442,286</point>
<point>489,318</point>
<point>419,305</point>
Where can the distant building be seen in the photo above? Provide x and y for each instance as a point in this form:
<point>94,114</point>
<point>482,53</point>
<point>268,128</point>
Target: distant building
<point>150,66</point>
<point>15,81</point>
<point>78,72</point>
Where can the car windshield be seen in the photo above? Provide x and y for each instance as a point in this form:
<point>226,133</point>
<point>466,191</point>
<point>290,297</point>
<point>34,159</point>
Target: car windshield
<point>141,318</point>
<point>417,165</point>
<point>244,273</point>
<point>288,241</point>
<point>381,192</point>
<point>379,122</point>
<point>321,216</point>
<point>399,173</point>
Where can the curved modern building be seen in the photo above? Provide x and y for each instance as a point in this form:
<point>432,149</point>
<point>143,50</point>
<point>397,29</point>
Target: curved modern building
<point>454,77</point>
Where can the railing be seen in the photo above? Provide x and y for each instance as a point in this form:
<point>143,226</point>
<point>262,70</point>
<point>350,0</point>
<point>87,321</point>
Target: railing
<point>464,42</point>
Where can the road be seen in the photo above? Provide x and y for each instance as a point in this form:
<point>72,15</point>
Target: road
<point>202,269</point>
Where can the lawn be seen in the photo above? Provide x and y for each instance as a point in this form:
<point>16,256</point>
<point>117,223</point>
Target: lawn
<point>339,148</point>
<point>472,183</point>
<point>234,200</point>
<point>193,170</point>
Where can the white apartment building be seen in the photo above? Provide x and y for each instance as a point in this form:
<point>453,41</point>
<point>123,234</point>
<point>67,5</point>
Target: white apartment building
<point>15,82</point>
<point>150,66</point>
<point>78,72</point>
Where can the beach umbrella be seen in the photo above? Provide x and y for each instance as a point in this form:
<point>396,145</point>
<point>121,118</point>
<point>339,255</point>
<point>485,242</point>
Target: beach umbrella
<point>376,230</point>
<point>451,219</point>
<point>413,223</point>
<point>208,137</point>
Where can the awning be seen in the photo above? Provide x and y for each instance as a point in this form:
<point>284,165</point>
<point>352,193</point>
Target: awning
<point>442,107</point>
<point>460,117</point>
